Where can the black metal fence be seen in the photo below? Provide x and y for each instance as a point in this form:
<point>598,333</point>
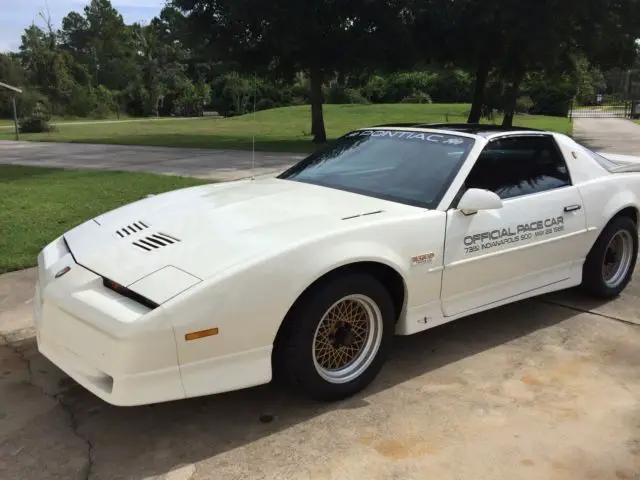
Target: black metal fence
<point>601,106</point>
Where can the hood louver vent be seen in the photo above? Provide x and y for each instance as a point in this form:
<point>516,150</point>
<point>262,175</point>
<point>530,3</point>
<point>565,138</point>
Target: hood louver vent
<point>132,229</point>
<point>155,241</point>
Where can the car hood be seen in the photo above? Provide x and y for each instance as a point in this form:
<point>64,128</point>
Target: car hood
<point>201,231</point>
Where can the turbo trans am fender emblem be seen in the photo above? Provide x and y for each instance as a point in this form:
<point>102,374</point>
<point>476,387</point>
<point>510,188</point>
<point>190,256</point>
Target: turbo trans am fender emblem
<point>424,258</point>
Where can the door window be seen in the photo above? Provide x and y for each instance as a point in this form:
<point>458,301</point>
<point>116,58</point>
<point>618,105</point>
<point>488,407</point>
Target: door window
<point>519,165</point>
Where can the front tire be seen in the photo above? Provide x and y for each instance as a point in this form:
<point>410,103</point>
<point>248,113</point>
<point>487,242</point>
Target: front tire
<point>610,264</point>
<point>337,337</point>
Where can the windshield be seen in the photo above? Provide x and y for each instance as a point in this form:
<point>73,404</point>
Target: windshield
<point>410,167</point>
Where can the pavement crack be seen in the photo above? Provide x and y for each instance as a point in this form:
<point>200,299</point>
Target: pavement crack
<point>585,310</point>
<point>58,398</point>
<point>75,426</point>
<point>23,358</point>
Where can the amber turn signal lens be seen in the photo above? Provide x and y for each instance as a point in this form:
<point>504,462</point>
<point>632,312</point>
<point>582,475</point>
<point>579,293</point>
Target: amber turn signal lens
<point>201,334</point>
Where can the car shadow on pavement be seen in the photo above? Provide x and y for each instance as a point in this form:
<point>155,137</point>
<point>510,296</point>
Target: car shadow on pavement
<point>141,442</point>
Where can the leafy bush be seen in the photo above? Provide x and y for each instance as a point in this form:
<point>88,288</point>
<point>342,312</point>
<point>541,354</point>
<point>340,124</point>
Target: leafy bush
<point>37,121</point>
<point>28,101</point>
<point>524,104</point>
<point>375,90</point>
<point>300,89</point>
<point>34,124</point>
<point>230,94</point>
<point>417,98</point>
<point>451,86</point>
<point>81,101</point>
<point>406,85</point>
<point>105,103</point>
<point>341,95</point>
<point>191,99</point>
<point>265,104</point>
<point>551,95</point>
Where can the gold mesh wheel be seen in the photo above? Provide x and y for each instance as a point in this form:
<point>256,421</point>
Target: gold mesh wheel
<point>347,339</point>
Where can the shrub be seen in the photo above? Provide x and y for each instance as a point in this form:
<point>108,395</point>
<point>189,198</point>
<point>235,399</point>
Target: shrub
<point>37,121</point>
<point>81,101</point>
<point>265,104</point>
<point>524,104</point>
<point>340,95</point>
<point>451,86</point>
<point>375,90</point>
<point>417,98</point>
<point>406,85</point>
<point>29,101</point>
<point>35,125</point>
<point>551,95</point>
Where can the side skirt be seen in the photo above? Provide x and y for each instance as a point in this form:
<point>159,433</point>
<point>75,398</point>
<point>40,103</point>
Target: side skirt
<point>426,317</point>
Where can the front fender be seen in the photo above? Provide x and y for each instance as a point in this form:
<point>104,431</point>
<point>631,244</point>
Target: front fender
<point>248,302</point>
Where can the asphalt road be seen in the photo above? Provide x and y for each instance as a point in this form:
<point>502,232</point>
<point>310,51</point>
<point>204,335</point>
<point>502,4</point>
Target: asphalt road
<point>195,162</point>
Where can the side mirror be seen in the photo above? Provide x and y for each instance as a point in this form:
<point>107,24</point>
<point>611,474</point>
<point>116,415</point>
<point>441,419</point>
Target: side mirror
<point>476,199</point>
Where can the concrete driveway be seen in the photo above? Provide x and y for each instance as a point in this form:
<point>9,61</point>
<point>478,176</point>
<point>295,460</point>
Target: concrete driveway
<point>194,162</point>
<point>536,390</point>
<point>613,135</point>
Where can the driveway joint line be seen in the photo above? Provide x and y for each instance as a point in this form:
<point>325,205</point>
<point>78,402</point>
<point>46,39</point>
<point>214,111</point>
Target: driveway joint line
<point>584,310</point>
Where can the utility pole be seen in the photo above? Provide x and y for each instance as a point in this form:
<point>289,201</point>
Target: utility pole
<point>15,117</point>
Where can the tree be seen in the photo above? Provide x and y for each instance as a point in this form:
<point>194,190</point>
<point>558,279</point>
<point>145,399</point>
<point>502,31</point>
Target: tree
<point>513,37</point>
<point>50,70</point>
<point>465,33</point>
<point>319,37</point>
<point>557,33</point>
<point>102,42</point>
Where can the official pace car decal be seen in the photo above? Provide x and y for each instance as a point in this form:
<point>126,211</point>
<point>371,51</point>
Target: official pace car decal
<point>416,136</point>
<point>502,236</point>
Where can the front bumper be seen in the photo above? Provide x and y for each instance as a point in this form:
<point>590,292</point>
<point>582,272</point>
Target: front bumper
<point>118,349</point>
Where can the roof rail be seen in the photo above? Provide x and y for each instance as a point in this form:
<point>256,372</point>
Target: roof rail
<point>464,127</point>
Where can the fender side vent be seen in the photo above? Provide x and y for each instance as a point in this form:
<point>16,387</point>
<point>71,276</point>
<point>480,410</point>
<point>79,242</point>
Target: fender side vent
<point>155,241</point>
<point>132,229</point>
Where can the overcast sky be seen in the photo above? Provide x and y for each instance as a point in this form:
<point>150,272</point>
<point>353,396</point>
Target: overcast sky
<point>16,15</point>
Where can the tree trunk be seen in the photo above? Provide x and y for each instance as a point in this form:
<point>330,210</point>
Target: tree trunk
<point>482,75</point>
<point>317,118</point>
<point>512,98</point>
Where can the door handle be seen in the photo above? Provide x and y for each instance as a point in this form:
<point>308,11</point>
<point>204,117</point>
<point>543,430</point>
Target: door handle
<point>572,208</point>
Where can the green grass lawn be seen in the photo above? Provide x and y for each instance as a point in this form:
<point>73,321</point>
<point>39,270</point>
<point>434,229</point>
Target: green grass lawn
<point>281,129</point>
<point>39,204</point>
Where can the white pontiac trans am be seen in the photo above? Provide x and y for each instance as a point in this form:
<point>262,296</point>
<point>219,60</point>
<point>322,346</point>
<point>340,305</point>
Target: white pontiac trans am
<point>307,276</point>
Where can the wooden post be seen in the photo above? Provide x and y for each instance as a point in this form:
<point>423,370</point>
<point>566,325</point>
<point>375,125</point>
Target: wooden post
<point>15,117</point>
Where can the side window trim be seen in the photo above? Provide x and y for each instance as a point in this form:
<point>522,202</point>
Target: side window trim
<point>548,136</point>
<point>555,147</point>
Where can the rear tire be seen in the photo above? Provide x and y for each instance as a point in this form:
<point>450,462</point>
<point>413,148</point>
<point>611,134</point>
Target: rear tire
<point>609,266</point>
<point>337,337</point>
